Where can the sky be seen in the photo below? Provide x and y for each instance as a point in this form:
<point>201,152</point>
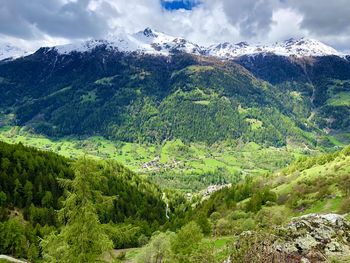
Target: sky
<point>35,23</point>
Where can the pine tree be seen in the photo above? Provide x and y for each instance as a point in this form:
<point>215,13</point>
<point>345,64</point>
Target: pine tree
<point>82,238</point>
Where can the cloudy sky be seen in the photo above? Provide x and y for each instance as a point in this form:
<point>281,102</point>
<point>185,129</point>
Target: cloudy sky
<point>34,23</point>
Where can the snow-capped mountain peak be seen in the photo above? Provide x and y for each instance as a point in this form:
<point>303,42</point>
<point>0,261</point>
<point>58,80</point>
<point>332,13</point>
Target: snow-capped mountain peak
<point>148,32</point>
<point>302,47</point>
<point>153,42</point>
<point>147,41</point>
<point>8,51</point>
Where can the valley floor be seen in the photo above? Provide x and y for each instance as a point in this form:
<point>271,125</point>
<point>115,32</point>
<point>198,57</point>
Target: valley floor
<point>174,164</point>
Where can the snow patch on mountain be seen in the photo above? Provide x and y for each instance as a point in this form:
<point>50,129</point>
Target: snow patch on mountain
<point>153,42</point>
<point>302,47</point>
<point>147,41</point>
<point>8,51</point>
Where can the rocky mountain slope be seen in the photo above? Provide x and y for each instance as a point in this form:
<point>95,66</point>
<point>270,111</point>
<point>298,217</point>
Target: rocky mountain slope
<point>151,87</point>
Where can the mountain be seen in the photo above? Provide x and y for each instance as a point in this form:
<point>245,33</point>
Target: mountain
<point>153,42</point>
<point>302,47</point>
<point>151,87</point>
<point>322,82</point>
<point>140,97</point>
<point>8,51</point>
<point>284,205</point>
<point>147,41</point>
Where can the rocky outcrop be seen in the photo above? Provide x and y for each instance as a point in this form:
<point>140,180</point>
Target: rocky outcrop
<point>315,237</point>
<point>312,238</point>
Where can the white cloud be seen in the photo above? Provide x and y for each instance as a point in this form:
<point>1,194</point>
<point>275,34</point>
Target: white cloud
<point>285,24</point>
<point>45,22</point>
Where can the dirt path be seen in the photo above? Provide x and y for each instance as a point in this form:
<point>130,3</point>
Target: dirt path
<point>11,259</point>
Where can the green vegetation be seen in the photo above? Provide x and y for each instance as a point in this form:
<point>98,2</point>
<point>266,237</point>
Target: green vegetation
<point>150,100</point>
<point>174,164</point>
<point>340,99</point>
<point>269,136</point>
<point>127,211</point>
<point>31,192</point>
<point>82,237</point>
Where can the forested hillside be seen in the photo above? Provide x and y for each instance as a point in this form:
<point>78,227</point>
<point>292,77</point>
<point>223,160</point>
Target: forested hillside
<point>244,222</point>
<point>182,123</point>
<point>141,98</point>
<point>32,191</point>
<point>320,83</point>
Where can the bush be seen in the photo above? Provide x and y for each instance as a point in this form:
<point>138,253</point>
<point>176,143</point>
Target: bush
<point>205,253</point>
<point>345,206</point>
<point>257,247</point>
<point>187,239</point>
<point>158,250</point>
<point>223,227</point>
<point>121,255</point>
<point>268,217</point>
<point>142,240</point>
<point>243,224</point>
<point>238,214</point>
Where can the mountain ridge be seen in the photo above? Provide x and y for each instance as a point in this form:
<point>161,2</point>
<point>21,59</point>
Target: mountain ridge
<point>8,51</point>
<point>153,42</point>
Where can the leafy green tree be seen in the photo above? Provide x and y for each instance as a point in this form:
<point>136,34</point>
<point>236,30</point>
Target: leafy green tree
<point>203,222</point>
<point>33,253</point>
<point>158,250</point>
<point>47,200</point>
<point>82,238</point>
<point>3,198</point>
<point>344,184</point>
<point>186,241</point>
<point>204,253</point>
<point>17,196</point>
<point>12,238</point>
<point>28,192</point>
<point>214,217</point>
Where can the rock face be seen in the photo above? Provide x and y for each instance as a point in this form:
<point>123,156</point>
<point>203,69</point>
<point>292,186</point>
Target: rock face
<point>316,237</point>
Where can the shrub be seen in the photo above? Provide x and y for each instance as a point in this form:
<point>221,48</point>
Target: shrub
<point>223,227</point>
<point>267,217</point>
<point>345,206</point>
<point>158,250</point>
<point>258,247</point>
<point>238,214</point>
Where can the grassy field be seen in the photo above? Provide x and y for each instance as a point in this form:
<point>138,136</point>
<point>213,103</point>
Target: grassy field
<point>219,243</point>
<point>173,164</point>
<point>340,99</point>
<point>316,177</point>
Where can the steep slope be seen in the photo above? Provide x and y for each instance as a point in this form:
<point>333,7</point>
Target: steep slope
<point>131,97</point>
<point>32,194</point>
<point>30,183</point>
<point>152,87</point>
<point>320,82</point>
<point>318,184</point>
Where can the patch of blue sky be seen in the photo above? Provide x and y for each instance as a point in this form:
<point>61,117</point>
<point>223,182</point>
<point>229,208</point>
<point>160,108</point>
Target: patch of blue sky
<point>179,4</point>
